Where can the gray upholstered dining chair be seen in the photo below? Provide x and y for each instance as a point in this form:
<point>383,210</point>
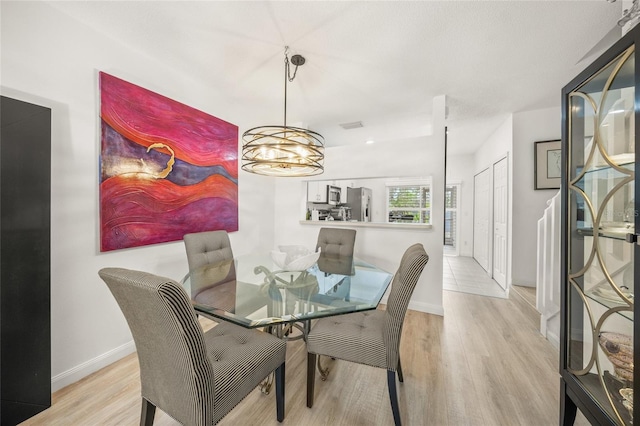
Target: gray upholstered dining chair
<point>370,337</point>
<point>207,247</point>
<point>211,268</point>
<point>194,377</point>
<point>336,241</point>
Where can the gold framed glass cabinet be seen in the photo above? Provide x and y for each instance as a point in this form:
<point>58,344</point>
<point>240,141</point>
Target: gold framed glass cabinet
<point>599,239</point>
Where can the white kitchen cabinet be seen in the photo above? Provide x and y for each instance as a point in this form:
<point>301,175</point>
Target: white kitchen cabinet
<point>317,191</point>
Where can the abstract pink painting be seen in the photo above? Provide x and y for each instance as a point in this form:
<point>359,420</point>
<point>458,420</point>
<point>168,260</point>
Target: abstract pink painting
<point>166,169</point>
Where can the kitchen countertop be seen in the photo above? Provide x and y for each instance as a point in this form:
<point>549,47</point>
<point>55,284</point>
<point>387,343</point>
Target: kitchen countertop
<point>357,224</point>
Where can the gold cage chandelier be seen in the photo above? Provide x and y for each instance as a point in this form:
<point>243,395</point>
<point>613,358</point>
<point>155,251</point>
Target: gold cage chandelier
<point>283,150</point>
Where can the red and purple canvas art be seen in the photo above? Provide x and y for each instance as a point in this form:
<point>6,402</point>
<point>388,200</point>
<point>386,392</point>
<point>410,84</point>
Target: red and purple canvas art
<point>166,169</point>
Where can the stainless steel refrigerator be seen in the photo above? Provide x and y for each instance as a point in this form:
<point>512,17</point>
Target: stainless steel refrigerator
<point>359,199</point>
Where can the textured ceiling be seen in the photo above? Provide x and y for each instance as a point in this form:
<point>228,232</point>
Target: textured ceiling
<point>376,62</point>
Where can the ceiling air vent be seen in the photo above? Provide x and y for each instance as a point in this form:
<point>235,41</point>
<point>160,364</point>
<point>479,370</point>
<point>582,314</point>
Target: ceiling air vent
<point>353,125</point>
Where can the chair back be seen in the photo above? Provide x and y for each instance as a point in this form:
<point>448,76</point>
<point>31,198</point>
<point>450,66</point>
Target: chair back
<point>404,282</point>
<point>204,248</point>
<point>210,261</point>
<point>336,241</point>
<point>175,373</point>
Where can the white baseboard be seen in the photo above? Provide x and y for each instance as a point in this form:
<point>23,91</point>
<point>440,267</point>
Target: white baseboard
<point>554,339</point>
<point>80,371</point>
<point>531,285</point>
<point>427,308</point>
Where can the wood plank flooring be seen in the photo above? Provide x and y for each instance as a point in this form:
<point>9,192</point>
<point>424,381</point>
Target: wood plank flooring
<point>483,363</point>
<point>527,293</point>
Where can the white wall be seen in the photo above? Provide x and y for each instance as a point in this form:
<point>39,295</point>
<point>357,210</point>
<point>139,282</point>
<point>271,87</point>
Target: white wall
<point>495,147</point>
<point>381,246</point>
<point>52,60</point>
<point>460,169</point>
<point>529,204</point>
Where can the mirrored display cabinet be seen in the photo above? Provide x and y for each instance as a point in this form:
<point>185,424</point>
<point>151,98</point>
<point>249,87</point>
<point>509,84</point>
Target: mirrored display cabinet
<point>599,239</point>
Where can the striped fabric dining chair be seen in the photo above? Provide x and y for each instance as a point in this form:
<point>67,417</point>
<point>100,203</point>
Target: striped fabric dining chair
<point>370,337</point>
<point>194,377</point>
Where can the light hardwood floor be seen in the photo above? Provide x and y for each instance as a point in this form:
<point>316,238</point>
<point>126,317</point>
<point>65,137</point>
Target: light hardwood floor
<point>527,293</point>
<point>483,363</point>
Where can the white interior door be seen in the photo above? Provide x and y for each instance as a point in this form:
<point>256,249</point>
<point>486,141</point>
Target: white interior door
<point>481,216</point>
<point>500,215</point>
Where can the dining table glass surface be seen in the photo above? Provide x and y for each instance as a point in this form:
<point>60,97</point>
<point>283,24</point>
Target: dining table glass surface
<point>254,291</point>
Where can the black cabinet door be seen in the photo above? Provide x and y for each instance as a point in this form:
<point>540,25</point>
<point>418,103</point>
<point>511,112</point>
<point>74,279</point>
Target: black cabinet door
<point>25,314</point>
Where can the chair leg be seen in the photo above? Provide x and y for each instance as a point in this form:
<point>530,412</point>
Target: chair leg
<point>393,396</point>
<point>311,377</point>
<point>280,392</point>
<point>324,371</point>
<point>148,412</point>
<point>400,376</point>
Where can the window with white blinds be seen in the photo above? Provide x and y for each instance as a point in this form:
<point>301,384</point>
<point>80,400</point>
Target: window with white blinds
<point>409,202</point>
<point>450,214</point>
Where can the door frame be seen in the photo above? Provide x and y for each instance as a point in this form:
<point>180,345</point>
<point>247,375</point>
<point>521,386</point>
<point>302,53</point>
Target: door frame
<point>504,284</point>
<point>489,214</point>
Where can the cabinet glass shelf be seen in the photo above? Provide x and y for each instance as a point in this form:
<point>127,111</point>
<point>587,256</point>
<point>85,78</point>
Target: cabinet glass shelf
<point>605,233</point>
<point>607,298</point>
<point>606,171</point>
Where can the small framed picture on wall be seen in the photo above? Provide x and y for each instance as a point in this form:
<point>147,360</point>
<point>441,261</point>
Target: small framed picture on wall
<point>547,164</point>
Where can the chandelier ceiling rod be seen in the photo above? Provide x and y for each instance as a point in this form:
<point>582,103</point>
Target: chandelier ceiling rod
<point>286,77</point>
<point>296,60</point>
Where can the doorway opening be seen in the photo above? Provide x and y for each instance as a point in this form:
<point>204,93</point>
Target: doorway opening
<point>484,271</point>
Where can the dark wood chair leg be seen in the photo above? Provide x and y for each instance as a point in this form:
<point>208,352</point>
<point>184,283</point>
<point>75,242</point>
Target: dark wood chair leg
<point>280,392</point>
<point>311,377</point>
<point>393,396</point>
<point>148,412</point>
<point>400,376</point>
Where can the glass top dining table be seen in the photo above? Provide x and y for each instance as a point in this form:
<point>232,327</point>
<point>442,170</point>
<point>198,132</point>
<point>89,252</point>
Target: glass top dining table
<point>252,291</point>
